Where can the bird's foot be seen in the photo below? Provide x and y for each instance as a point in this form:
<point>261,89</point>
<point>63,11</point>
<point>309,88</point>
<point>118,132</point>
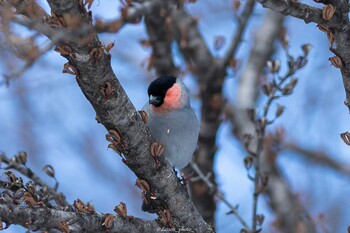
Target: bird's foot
<point>184,179</point>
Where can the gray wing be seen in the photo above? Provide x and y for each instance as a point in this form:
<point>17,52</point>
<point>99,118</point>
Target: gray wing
<point>178,131</point>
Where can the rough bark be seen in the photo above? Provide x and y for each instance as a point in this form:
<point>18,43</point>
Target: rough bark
<point>115,111</point>
<point>46,219</point>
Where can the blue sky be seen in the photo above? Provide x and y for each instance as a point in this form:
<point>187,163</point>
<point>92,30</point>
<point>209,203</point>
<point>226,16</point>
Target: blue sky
<point>44,113</point>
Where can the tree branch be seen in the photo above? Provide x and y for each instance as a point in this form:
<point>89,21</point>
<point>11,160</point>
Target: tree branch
<point>295,9</point>
<point>262,50</point>
<point>115,111</point>
<point>242,125</point>
<point>191,43</point>
<point>131,14</point>
<point>46,219</point>
<point>158,23</point>
<point>337,29</point>
<point>291,214</point>
<point>242,23</point>
<point>213,189</point>
<point>208,70</point>
<point>211,74</point>
<point>36,179</point>
<point>318,157</point>
<point>92,68</point>
<point>202,64</point>
<point>28,8</point>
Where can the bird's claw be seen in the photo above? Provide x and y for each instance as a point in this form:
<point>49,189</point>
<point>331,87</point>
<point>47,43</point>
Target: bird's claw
<point>144,116</point>
<point>184,179</point>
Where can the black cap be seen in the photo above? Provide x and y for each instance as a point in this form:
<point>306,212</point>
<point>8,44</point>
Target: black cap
<point>158,88</point>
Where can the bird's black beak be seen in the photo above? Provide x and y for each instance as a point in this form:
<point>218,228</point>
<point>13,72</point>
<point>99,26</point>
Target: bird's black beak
<point>155,100</point>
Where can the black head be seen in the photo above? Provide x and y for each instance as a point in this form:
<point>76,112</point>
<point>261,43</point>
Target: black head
<point>158,88</point>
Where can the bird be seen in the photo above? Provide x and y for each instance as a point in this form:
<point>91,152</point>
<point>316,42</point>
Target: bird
<point>172,122</point>
<point>171,119</point>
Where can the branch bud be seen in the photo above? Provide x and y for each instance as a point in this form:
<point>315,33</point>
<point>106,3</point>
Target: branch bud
<point>274,66</point>
<point>267,89</point>
<point>328,12</point>
<point>306,48</point>
<point>346,138</point>
<point>279,110</point>
<point>336,62</point>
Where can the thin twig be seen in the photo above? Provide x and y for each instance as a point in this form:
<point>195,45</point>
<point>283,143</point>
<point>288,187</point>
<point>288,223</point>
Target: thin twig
<point>49,219</point>
<point>31,175</point>
<point>318,157</point>
<point>287,207</point>
<point>274,91</point>
<point>242,25</point>
<point>257,189</point>
<point>213,188</point>
<point>28,64</point>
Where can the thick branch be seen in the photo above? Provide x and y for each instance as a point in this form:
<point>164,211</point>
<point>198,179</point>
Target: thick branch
<point>131,14</point>
<point>248,91</point>
<point>207,70</point>
<point>29,8</point>
<point>191,43</point>
<point>46,219</point>
<point>262,50</point>
<point>296,9</point>
<point>115,111</point>
<point>291,214</point>
<point>158,23</point>
<point>56,35</point>
<point>211,74</point>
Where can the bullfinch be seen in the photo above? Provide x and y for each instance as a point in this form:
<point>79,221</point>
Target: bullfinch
<point>171,119</point>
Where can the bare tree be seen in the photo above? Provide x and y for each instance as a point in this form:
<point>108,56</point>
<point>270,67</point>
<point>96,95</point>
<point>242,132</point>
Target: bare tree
<point>74,34</point>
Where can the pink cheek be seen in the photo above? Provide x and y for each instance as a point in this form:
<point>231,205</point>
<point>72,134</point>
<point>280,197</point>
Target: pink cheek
<point>172,97</point>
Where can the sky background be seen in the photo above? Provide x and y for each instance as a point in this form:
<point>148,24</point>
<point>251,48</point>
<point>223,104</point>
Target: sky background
<point>44,113</point>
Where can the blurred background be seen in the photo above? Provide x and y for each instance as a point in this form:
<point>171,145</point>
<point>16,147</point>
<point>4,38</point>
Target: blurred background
<point>44,113</point>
